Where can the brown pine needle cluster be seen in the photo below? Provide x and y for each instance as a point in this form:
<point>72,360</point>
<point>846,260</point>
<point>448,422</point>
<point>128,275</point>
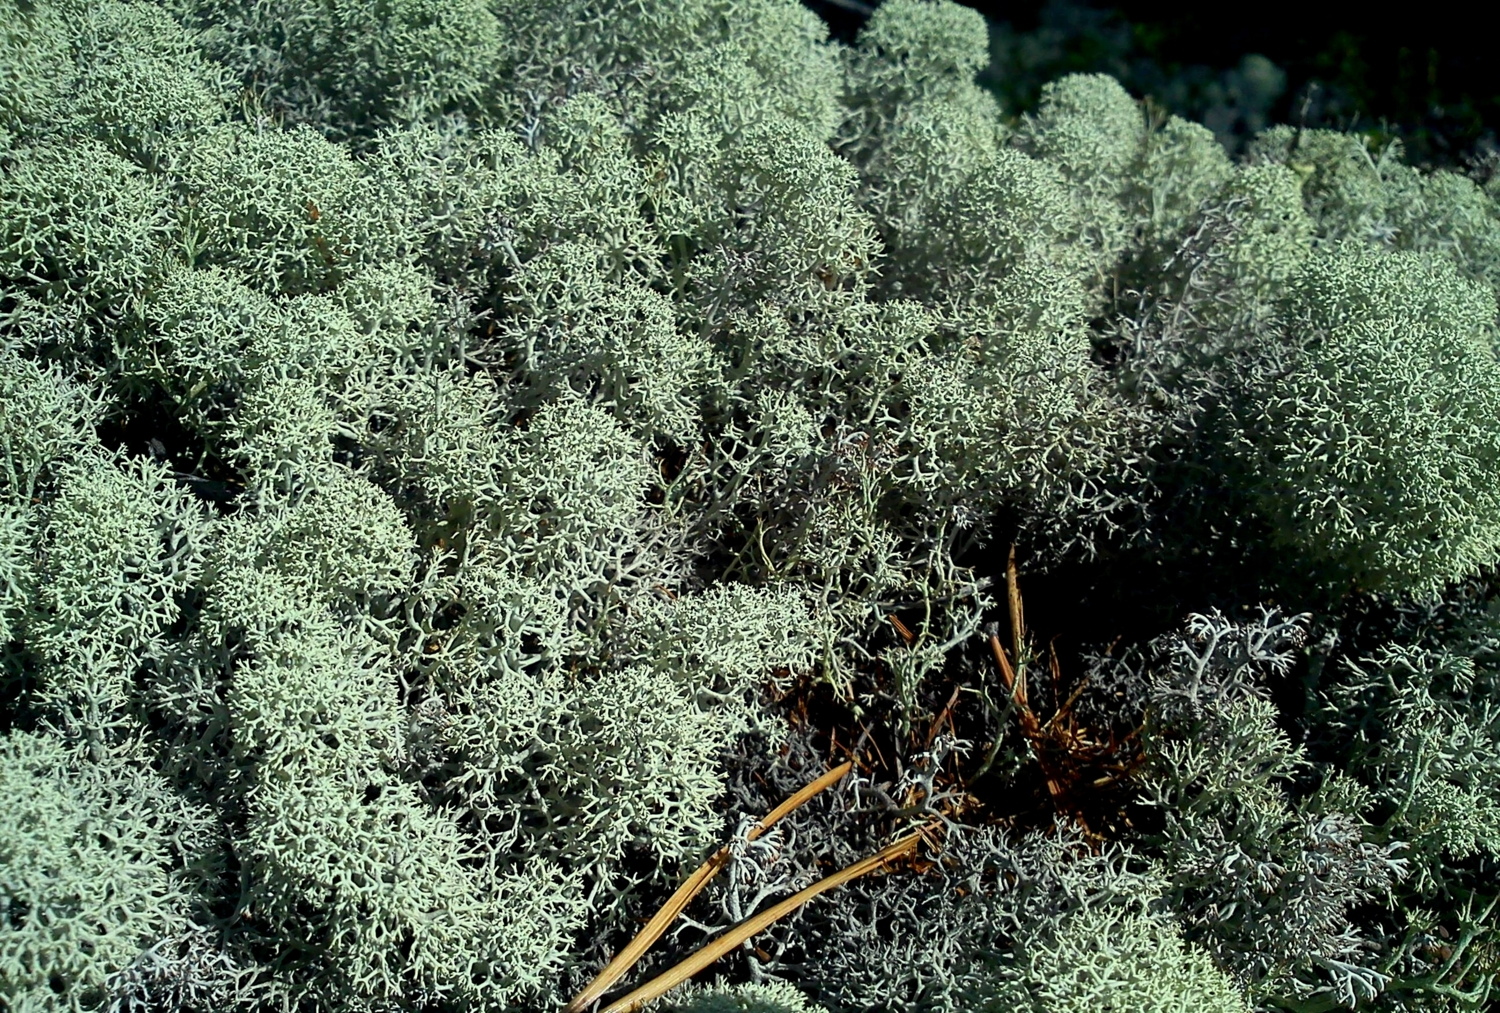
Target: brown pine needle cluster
<point>1075,762</point>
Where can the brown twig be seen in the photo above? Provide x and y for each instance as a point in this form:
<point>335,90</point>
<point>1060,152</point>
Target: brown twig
<point>1068,756</point>
<point>946,714</point>
<point>670,979</point>
<point>1031,728</point>
<point>1013,596</point>
<point>668,912</point>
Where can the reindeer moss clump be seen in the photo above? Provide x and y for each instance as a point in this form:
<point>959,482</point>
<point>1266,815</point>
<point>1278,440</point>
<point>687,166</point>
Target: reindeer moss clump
<point>463,465</point>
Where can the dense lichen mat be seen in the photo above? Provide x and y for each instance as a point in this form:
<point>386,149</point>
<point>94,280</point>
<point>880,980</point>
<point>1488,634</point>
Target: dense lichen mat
<point>463,464</point>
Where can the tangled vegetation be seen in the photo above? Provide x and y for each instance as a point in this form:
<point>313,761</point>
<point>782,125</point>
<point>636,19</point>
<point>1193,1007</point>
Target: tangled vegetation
<point>464,464</point>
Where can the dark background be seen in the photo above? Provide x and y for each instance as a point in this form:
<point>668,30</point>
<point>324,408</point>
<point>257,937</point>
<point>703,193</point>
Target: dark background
<point>1426,74</point>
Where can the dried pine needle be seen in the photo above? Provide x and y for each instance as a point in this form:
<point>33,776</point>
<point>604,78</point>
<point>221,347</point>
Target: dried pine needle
<point>691,887</point>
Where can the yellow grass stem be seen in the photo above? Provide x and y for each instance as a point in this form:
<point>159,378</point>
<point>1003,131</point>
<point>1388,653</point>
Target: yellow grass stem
<point>663,983</point>
<point>691,887</point>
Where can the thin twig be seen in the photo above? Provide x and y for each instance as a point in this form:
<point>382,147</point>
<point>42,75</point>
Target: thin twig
<point>1031,728</point>
<point>945,714</point>
<point>1013,594</point>
<point>670,979</point>
<point>668,912</point>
